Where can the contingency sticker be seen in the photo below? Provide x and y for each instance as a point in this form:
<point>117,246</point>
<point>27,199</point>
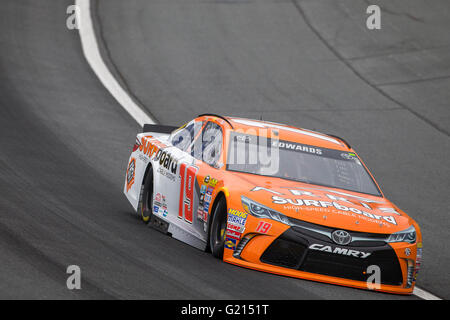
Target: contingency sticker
<point>200,215</point>
<point>230,243</point>
<point>206,202</point>
<point>237,217</point>
<point>235,227</point>
<point>130,173</point>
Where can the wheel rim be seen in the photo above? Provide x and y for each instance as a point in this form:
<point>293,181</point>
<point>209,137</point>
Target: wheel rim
<point>147,205</point>
<point>220,233</point>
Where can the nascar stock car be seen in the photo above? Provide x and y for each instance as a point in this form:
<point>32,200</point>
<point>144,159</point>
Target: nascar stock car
<point>273,198</point>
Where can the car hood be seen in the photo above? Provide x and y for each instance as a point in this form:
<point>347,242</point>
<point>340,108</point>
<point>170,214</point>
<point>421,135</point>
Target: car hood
<point>332,207</point>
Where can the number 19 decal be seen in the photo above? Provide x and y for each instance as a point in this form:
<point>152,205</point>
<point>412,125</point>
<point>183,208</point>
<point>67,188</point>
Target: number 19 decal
<point>187,186</point>
<point>263,227</point>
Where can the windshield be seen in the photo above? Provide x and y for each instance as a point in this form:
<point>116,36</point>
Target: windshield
<point>298,162</point>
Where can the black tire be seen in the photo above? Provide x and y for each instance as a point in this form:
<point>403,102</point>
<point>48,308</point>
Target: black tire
<point>218,228</point>
<point>146,198</point>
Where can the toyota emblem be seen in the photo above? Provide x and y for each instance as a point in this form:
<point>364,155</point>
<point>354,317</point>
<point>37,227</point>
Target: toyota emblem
<point>341,237</point>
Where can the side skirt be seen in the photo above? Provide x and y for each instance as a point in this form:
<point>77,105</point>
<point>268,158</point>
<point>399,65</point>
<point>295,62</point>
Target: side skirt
<point>179,234</point>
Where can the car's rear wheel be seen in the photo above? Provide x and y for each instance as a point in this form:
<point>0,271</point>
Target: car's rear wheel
<point>218,228</point>
<point>146,197</point>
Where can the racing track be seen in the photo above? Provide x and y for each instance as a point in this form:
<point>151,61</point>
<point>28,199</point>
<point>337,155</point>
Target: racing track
<point>65,141</point>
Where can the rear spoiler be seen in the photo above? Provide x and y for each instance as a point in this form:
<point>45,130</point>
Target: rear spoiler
<point>158,128</point>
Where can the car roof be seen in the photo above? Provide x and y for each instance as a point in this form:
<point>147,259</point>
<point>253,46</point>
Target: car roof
<point>286,132</point>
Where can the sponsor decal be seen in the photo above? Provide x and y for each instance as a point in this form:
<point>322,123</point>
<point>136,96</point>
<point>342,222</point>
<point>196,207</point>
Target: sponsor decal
<point>203,188</point>
<point>205,209</point>
<point>341,251</point>
<point>296,192</point>
<point>150,146</point>
<point>200,214</point>
<point>206,180</point>
<point>167,160</point>
<point>165,173</point>
<point>143,158</point>
<point>131,173</point>
<point>348,155</point>
<point>233,234</point>
<point>336,205</point>
<point>204,202</point>
<point>202,194</point>
<point>236,222</point>
<point>213,182</point>
<point>235,227</point>
<point>418,259</point>
<point>155,150</point>
<point>237,217</point>
<point>230,243</point>
<point>160,204</point>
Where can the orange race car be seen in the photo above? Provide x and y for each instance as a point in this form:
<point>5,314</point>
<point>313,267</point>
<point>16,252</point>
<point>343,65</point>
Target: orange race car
<point>274,198</point>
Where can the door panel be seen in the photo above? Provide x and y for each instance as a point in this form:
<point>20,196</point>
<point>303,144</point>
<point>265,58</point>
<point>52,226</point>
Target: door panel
<point>185,194</point>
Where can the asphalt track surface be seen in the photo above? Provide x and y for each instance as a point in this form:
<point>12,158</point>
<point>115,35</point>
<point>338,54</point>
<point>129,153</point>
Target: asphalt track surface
<point>64,141</point>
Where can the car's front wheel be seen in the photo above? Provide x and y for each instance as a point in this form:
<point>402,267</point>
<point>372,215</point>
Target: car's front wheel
<point>218,228</point>
<point>146,198</point>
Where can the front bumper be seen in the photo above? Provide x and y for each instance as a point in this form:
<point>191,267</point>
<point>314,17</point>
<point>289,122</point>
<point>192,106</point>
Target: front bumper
<point>296,253</point>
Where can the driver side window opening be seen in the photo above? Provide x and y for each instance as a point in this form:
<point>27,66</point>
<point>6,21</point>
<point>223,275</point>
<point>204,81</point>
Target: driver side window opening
<point>183,137</point>
<point>208,147</point>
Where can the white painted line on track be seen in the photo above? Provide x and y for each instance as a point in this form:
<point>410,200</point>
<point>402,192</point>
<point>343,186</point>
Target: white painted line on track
<point>92,54</point>
<point>424,294</point>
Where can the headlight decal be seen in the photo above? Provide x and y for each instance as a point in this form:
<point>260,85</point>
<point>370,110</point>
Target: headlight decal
<point>259,211</point>
<point>408,235</point>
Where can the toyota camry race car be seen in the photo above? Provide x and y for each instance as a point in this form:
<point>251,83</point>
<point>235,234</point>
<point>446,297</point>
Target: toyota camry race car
<point>273,198</point>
